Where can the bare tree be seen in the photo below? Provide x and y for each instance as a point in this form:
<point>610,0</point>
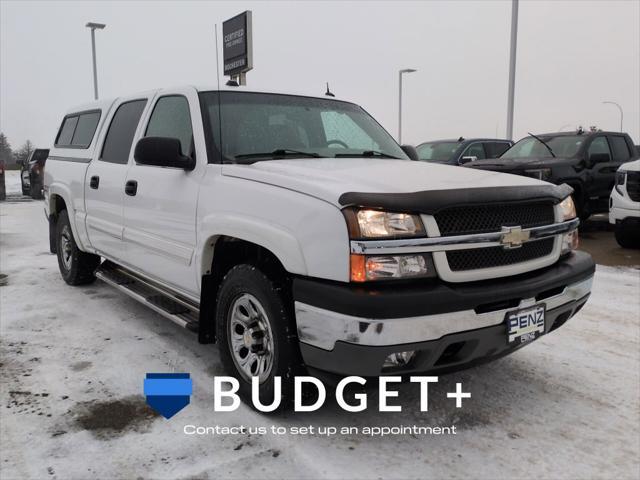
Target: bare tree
<point>23,153</point>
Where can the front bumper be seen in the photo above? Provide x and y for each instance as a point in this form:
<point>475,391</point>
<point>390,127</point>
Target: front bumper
<point>351,330</point>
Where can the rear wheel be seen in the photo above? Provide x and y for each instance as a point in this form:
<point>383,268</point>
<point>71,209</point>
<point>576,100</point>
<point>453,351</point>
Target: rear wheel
<point>76,266</point>
<point>257,333</point>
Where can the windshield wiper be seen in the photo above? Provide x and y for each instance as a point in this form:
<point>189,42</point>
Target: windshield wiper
<point>544,143</point>
<point>366,153</point>
<point>277,154</point>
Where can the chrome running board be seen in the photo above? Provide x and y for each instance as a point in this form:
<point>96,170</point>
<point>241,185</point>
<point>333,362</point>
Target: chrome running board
<point>168,304</point>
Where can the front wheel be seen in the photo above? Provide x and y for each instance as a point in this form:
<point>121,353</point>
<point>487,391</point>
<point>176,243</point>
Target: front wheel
<point>76,266</point>
<point>257,334</point>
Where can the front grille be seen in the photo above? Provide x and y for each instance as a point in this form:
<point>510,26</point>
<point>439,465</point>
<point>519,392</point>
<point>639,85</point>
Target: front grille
<point>478,258</point>
<point>491,218</point>
<point>633,186</point>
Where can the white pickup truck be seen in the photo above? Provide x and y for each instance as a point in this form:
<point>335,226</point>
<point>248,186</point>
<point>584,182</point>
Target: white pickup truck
<point>295,232</point>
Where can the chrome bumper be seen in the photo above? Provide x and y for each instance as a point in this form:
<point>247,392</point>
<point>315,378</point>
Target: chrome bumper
<point>323,328</point>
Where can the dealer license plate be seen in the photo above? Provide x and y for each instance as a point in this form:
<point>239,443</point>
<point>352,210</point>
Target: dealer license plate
<point>525,325</point>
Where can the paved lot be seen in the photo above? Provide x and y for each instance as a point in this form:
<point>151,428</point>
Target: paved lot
<point>72,361</point>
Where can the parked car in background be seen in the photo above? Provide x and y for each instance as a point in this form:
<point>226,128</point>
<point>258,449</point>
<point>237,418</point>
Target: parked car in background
<point>587,161</point>
<point>31,173</point>
<point>624,205</point>
<point>3,188</point>
<point>460,151</point>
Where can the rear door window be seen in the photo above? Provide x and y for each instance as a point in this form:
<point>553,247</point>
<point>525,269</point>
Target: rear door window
<point>620,149</point>
<point>117,143</point>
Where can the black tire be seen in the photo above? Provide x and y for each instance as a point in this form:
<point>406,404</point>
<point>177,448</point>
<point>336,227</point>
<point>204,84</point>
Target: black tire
<point>25,190</point>
<point>76,267</point>
<point>36,191</point>
<point>274,299</point>
<point>627,237</point>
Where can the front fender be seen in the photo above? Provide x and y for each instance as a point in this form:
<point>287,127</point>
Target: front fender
<point>275,238</point>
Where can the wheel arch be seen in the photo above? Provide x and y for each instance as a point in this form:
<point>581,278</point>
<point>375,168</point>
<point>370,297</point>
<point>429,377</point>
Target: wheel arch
<point>56,204</point>
<point>221,254</point>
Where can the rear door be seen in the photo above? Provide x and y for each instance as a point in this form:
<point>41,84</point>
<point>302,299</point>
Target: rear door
<point>106,177</point>
<point>160,217</point>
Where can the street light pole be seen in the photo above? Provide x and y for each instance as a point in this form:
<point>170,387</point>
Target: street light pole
<point>406,70</point>
<point>94,27</point>
<point>621,113</point>
<point>512,67</point>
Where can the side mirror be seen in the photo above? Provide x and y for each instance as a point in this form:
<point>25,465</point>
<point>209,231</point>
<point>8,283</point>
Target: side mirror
<point>467,159</point>
<point>599,158</point>
<point>162,152</point>
<point>411,151</point>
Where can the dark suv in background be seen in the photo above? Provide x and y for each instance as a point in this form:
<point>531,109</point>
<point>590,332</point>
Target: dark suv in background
<point>460,151</point>
<point>587,161</point>
<point>31,173</point>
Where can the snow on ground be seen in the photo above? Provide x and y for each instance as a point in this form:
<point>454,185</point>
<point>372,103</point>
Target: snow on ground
<point>73,361</point>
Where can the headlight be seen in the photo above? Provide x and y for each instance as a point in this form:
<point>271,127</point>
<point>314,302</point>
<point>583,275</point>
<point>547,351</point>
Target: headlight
<point>568,209</point>
<point>540,174</point>
<point>621,178</point>
<point>368,223</point>
<point>383,267</point>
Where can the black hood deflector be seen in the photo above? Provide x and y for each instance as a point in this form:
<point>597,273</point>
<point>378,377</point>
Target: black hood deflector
<point>431,202</point>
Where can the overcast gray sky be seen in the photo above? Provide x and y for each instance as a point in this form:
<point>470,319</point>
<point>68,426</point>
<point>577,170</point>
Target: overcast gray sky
<point>572,55</point>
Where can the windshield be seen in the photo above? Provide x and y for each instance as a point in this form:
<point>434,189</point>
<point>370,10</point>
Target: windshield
<point>562,146</point>
<point>437,151</point>
<point>255,125</point>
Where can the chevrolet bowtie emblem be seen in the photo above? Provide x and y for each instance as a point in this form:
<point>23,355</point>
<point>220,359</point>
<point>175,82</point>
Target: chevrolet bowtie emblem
<point>513,237</point>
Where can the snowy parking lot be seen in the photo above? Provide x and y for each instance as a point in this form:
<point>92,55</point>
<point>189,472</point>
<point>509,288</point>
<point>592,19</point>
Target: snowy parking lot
<point>73,361</point>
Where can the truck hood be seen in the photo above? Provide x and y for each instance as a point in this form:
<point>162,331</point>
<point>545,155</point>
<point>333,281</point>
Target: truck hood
<point>329,178</point>
<point>519,163</point>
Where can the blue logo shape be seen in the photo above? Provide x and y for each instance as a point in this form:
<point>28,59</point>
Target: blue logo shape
<point>168,393</point>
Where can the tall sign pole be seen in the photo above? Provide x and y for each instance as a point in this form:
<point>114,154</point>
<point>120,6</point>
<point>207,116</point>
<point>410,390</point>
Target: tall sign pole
<point>512,67</point>
<point>237,47</point>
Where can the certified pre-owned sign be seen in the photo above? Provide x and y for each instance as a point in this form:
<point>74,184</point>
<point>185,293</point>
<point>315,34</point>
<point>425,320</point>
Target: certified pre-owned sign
<point>237,50</point>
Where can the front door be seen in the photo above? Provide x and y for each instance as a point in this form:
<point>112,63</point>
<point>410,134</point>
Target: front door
<point>160,216</point>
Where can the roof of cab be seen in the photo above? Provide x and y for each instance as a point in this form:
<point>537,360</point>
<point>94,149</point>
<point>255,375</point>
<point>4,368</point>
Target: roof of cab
<point>104,104</point>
